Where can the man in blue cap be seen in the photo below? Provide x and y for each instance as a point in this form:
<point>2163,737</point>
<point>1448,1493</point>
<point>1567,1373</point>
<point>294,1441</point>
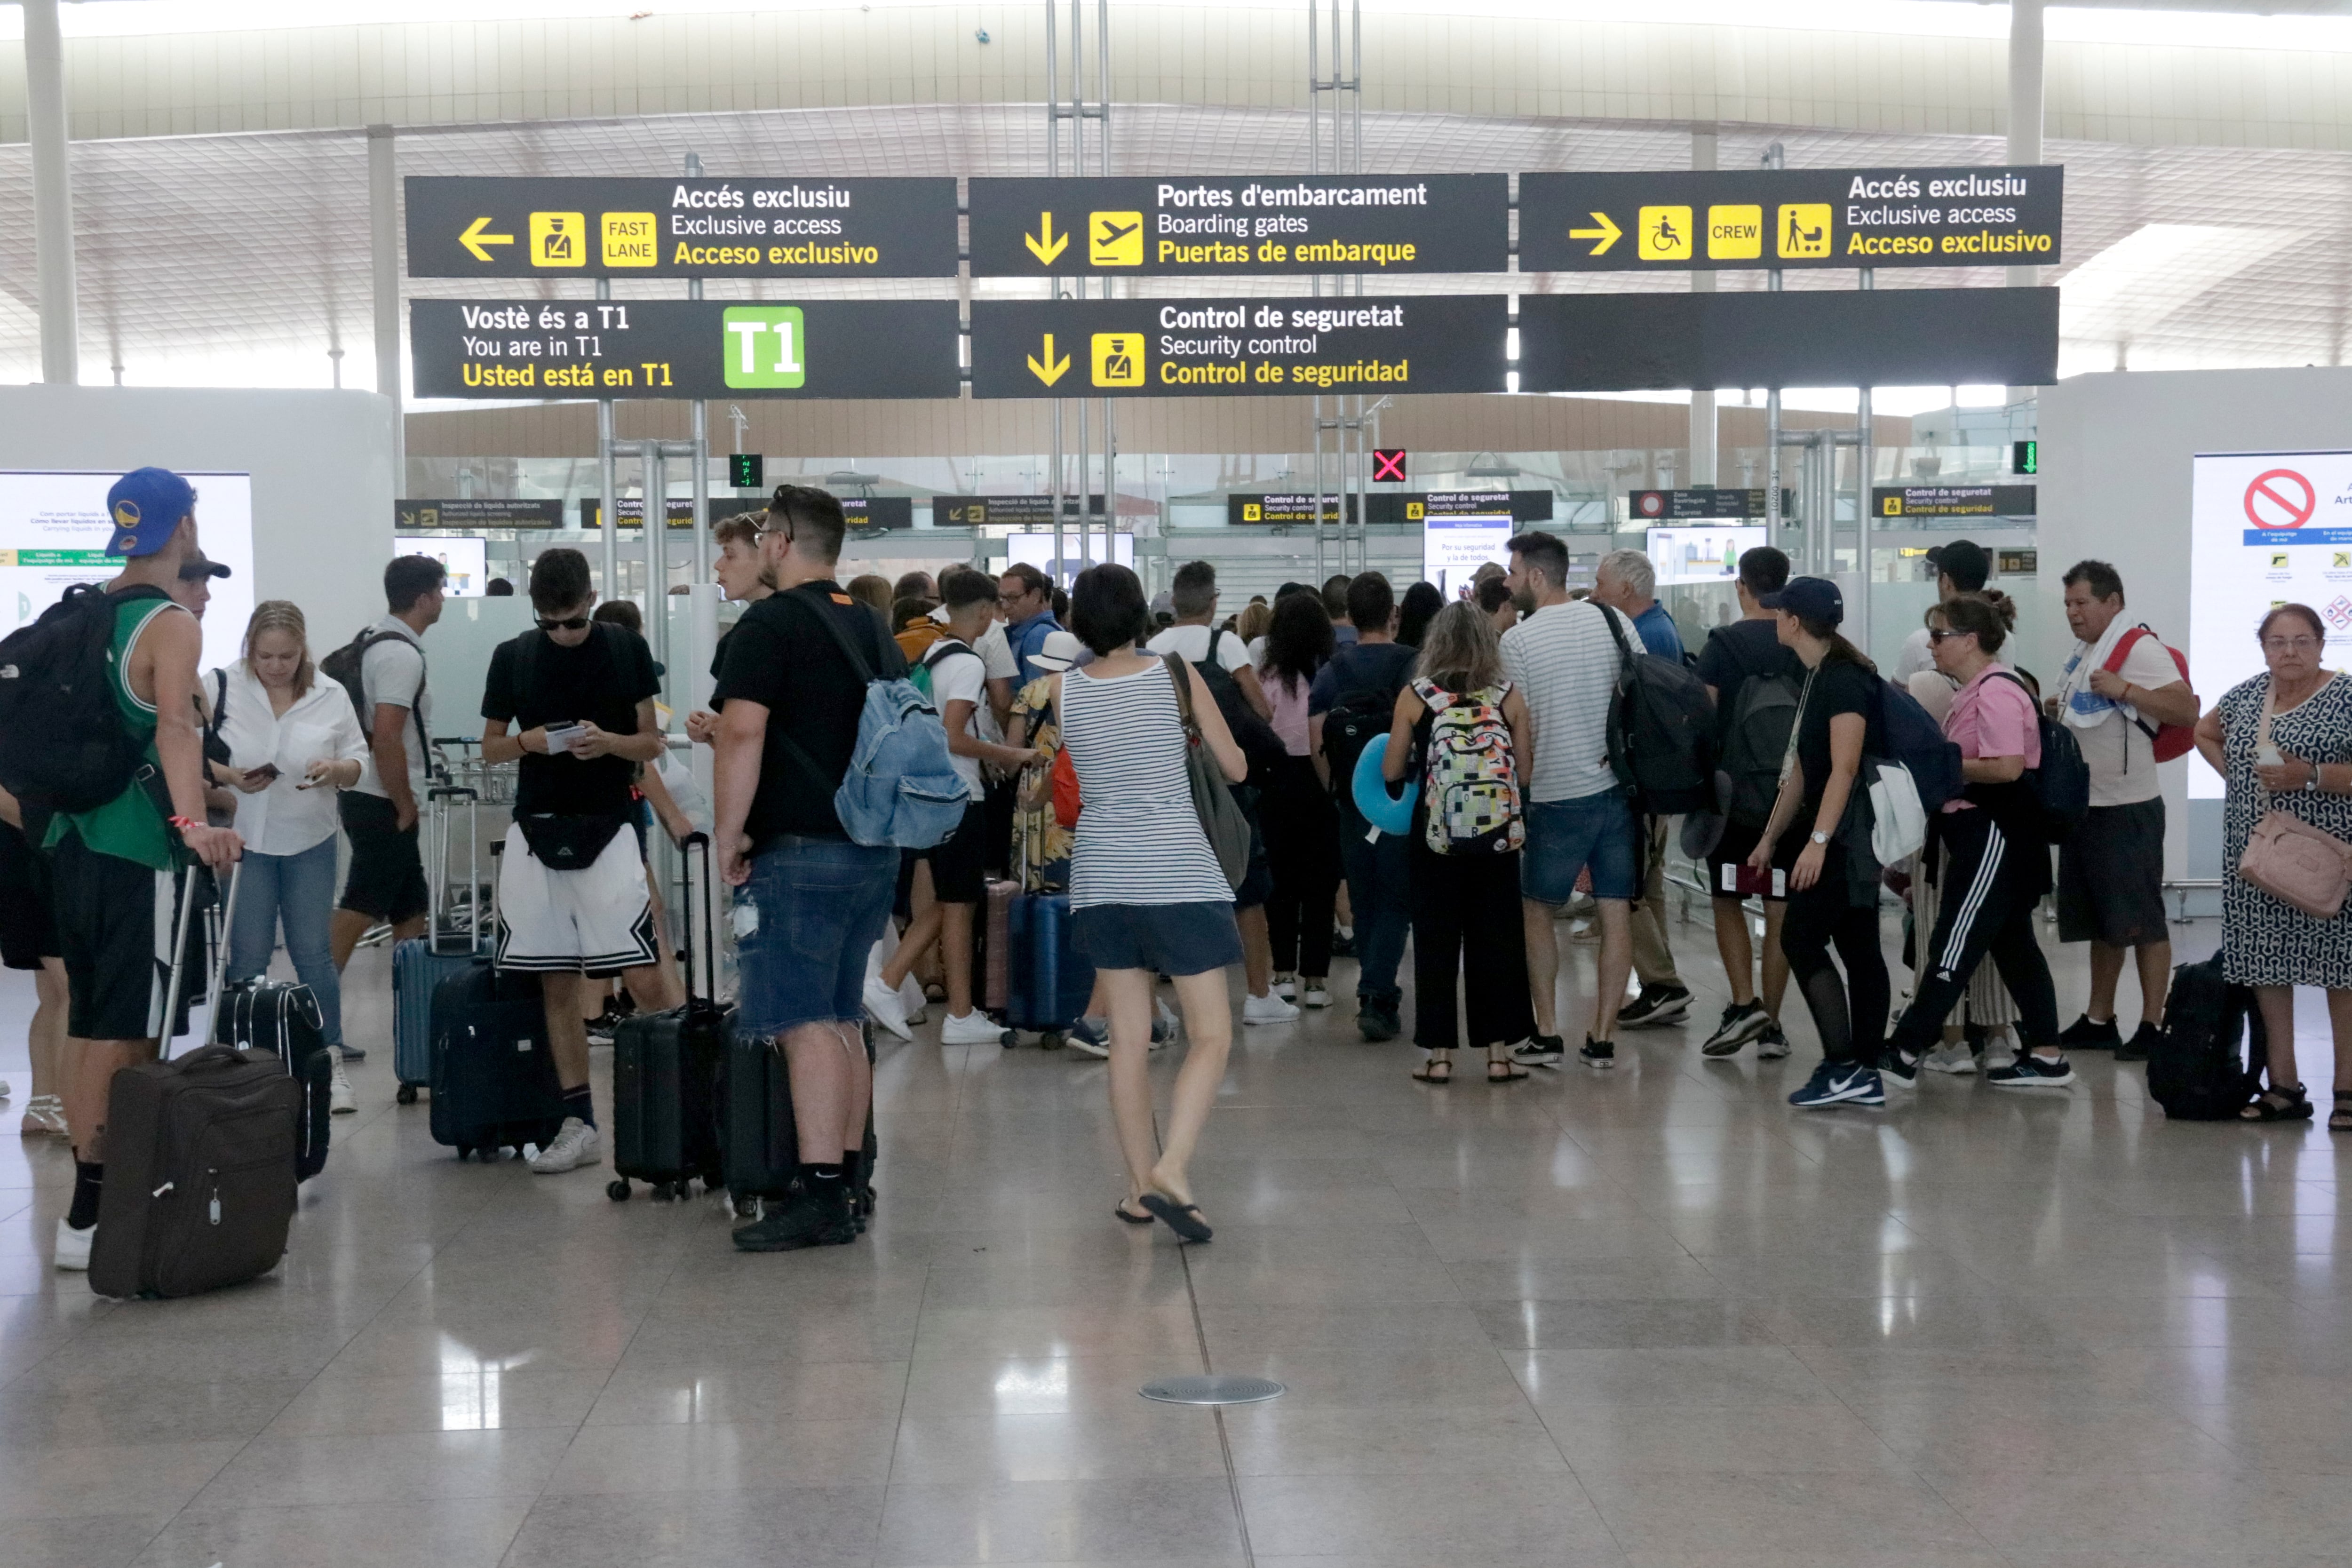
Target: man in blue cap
<point>117,868</point>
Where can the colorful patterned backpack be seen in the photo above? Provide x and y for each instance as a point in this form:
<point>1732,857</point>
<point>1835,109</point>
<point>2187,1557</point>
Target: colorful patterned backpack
<point>1471,790</point>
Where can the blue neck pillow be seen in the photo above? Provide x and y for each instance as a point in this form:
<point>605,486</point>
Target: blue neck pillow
<point>1390,814</point>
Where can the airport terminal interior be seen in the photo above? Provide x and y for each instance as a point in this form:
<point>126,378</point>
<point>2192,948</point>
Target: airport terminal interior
<point>1935,299</point>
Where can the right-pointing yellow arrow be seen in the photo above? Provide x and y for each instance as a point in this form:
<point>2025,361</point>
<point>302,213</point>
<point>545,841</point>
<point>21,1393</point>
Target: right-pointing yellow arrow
<point>1051,371</point>
<point>1606,234</point>
<point>474,238</point>
<point>1044,245</point>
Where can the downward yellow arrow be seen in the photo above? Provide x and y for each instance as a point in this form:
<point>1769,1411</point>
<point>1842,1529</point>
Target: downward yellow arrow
<point>1606,234</point>
<point>1051,371</point>
<point>1043,245</point>
<point>474,238</point>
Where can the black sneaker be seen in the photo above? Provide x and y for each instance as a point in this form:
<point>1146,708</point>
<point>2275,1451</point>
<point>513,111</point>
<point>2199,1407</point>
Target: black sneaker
<point>809,1220</point>
<point>1540,1051</point>
<point>2082,1035</point>
<point>2033,1072</point>
<point>1377,1023</point>
<point>2143,1040</point>
<point>1739,1025</point>
<point>1343,944</point>
<point>1894,1064</point>
<point>1597,1053</point>
<point>1656,1005</point>
<point>1771,1044</point>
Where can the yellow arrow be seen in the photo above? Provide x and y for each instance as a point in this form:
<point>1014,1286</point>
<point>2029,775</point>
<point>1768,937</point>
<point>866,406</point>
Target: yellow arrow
<point>1606,234</point>
<point>474,238</point>
<point>1051,371</point>
<point>1042,244</point>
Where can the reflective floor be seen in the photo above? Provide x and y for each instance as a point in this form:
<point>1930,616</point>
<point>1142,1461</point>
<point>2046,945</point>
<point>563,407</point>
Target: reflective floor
<point>1650,1317</point>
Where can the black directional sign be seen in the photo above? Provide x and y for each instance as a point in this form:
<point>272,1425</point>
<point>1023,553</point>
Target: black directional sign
<point>683,348</point>
<point>1952,500</point>
<point>1843,337</point>
<point>1714,219</point>
<point>1236,347</point>
<point>1205,225</point>
<point>498,228</point>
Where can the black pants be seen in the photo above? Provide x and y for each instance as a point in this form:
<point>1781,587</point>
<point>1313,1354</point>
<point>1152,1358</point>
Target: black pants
<point>1465,913</point>
<point>1985,907</point>
<point>1302,839</point>
<point>1849,1012</point>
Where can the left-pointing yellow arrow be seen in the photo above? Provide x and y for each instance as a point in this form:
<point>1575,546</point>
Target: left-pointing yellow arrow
<point>474,238</point>
<point>1051,371</point>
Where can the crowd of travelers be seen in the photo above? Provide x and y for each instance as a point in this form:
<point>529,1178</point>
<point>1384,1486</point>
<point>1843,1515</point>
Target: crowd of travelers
<point>1337,772</point>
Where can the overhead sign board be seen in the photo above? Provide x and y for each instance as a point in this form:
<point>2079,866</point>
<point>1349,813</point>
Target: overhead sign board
<point>1284,511</point>
<point>1677,506</point>
<point>1843,337</point>
<point>683,348</point>
<point>1236,347</point>
<point>1203,226</point>
<point>874,514</point>
<point>863,513</point>
<point>1013,511</point>
<point>478,513</point>
<point>468,227</point>
<point>1952,500</point>
<point>1521,506</point>
<point>1717,218</point>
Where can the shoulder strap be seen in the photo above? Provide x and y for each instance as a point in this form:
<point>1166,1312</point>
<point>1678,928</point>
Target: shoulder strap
<point>2124,645</point>
<point>1624,651</point>
<point>1179,677</point>
<point>857,661</point>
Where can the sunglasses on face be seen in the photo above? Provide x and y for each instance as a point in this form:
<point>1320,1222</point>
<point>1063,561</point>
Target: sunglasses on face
<point>1935,636</point>
<point>574,623</point>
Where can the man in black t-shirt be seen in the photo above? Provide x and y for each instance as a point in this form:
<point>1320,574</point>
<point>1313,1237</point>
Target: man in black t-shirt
<point>574,902</point>
<point>1733,655</point>
<point>809,902</point>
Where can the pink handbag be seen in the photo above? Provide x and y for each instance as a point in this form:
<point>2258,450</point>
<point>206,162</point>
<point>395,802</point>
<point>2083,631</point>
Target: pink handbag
<point>2294,862</point>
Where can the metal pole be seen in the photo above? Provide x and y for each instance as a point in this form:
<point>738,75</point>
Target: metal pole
<point>655,518</point>
<point>1703,424</point>
<point>383,257</point>
<point>1773,158</point>
<point>53,236</point>
<point>1102,145</point>
<point>608,489</point>
<point>2025,104</point>
<point>1863,457</point>
<point>1055,570</point>
<point>1086,481</point>
<point>701,434</point>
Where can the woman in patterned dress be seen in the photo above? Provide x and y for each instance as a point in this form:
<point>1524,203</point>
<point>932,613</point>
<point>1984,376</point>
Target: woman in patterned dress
<point>2284,741</point>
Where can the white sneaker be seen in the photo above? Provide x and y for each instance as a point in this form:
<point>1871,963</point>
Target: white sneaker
<point>1268,1009</point>
<point>2000,1052</point>
<point>44,1113</point>
<point>1316,994</point>
<point>1286,987</point>
<point>73,1246</point>
<point>340,1101</point>
<point>575,1145</point>
<point>1955,1058</point>
<point>1168,1028</point>
<point>974,1028</point>
<point>889,1009</point>
<point>911,997</point>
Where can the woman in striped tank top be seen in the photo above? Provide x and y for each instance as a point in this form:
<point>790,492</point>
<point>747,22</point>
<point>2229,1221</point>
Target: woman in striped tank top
<point>1147,894</point>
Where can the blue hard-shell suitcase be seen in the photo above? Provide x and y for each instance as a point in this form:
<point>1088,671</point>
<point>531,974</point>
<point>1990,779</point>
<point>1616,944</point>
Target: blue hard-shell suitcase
<point>1049,982</point>
<point>421,964</point>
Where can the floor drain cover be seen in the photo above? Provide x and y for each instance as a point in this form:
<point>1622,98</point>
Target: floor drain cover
<point>1213,1390</point>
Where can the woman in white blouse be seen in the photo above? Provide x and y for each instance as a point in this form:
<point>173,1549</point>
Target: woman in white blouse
<point>293,740</point>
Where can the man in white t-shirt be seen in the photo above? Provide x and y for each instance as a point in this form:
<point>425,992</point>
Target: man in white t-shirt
<point>385,883</point>
<point>1563,658</point>
<point>2119,687</point>
<point>957,679</point>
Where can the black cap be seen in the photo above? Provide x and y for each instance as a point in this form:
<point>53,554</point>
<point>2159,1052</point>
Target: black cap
<point>1809,598</point>
<point>197,566</point>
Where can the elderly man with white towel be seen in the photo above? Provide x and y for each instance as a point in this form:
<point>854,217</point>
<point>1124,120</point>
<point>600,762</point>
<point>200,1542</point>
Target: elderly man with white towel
<point>2122,693</point>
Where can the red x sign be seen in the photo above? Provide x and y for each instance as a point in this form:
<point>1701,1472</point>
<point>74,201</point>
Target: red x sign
<point>1388,464</point>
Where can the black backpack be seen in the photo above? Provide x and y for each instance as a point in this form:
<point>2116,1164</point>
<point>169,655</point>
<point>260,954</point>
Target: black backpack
<point>2198,1070</point>
<point>1762,715</point>
<point>1252,734</point>
<point>2062,785</point>
<point>63,743</point>
<point>1661,732</point>
<point>1359,713</point>
<point>343,667</point>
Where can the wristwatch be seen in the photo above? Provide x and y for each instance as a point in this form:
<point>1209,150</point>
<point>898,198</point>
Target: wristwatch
<point>1820,838</point>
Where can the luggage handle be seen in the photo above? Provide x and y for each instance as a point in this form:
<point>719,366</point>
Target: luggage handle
<point>441,795</point>
<point>180,929</point>
<point>709,950</point>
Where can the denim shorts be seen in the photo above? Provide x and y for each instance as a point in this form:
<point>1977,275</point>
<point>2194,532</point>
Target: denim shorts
<point>815,907</point>
<point>1174,939</point>
<point>1565,837</point>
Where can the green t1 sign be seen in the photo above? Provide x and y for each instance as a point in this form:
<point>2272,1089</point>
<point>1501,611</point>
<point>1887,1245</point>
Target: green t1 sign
<point>767,346</point>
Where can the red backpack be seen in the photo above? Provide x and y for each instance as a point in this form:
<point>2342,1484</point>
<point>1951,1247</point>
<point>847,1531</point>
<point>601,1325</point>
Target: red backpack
<point>2169,740</point>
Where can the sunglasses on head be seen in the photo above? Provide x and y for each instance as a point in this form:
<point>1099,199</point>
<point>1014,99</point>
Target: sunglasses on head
<point>570,624</point>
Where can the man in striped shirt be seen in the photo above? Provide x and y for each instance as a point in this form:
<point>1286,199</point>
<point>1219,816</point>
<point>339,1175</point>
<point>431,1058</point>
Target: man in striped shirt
<point>1564,661</point>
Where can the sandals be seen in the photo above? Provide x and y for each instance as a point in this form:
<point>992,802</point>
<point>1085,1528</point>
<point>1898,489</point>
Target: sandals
<point>2340,1119</point>
<point>1505,1072</point>
<point>2280,1103</point>
<point>1440,1073</point>
<point>1184,1219</point>
<point>1120,1213</point>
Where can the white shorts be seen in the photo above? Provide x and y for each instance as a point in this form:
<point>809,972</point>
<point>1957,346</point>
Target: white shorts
<point>597,920</point>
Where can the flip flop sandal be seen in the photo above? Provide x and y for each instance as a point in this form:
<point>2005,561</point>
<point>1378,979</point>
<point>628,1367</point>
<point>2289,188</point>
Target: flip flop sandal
<point>2278,1104</point>
<point>1184,1219</point>
<point>1120,1213</point>
<point>2340,1119</point>
<point>1439,1073</point>
<point>1513,1072</point>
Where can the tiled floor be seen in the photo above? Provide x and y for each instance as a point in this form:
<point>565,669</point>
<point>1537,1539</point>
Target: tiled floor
<point>1651,1317</point>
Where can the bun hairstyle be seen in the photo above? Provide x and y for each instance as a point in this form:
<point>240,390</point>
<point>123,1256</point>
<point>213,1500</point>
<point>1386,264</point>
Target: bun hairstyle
<point>1977,614</point>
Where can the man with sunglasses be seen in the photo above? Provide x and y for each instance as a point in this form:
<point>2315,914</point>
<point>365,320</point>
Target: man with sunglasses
<point>573,905</point>
<point>809,902</point>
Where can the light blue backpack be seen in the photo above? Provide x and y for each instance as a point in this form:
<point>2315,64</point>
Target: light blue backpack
<point>901,790</point>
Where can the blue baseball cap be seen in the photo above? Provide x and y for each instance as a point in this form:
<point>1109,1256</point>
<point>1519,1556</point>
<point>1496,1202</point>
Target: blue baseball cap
<point>1810,598</point>
<point>145,506</point>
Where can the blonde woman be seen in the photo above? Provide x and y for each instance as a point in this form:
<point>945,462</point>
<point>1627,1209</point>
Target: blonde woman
<point>293,740</point>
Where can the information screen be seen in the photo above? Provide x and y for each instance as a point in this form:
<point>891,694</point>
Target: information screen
<point>1037,549</point>
<point>1699,554</point>
<point>53,533</point>
<point>2266,528</point>
<point>1453,547</point>
<point>468,561</point>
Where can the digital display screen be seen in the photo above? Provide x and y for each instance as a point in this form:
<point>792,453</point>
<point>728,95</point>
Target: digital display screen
<point>1453,548</point>
<point>468,561</point>
<point>1681,555</point>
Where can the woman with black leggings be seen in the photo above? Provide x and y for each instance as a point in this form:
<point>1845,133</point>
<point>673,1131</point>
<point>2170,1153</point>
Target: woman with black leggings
<point>1838,720</point>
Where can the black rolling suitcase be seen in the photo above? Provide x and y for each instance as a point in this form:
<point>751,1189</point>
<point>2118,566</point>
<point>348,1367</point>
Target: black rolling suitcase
<point>284,1019</point>
<point>665,1071</point>
<point>761,1143</point>
<point>201,1153</point>
<point>494,1083</point>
